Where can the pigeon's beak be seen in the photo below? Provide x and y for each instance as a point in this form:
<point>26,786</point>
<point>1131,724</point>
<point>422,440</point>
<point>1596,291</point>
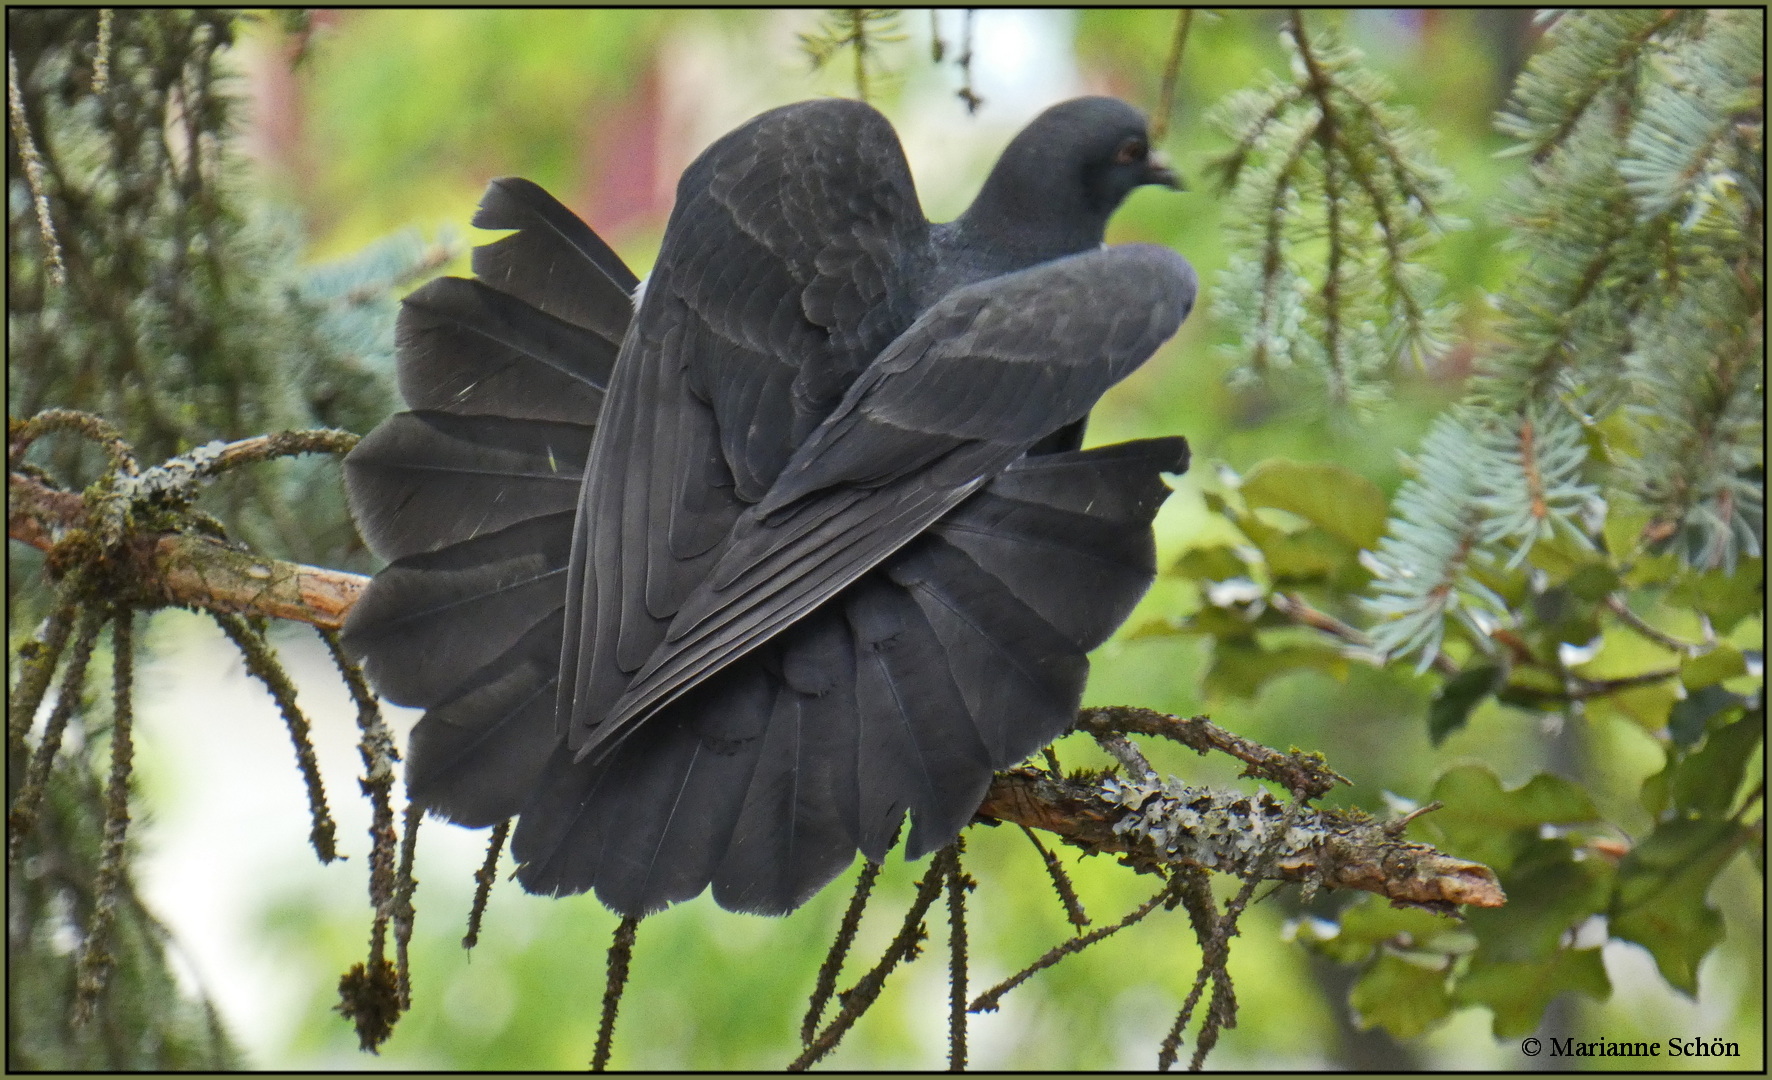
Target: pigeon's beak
<point>1158,171</point>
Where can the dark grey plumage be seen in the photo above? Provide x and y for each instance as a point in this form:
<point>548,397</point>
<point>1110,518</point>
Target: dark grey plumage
<point>835,556</point>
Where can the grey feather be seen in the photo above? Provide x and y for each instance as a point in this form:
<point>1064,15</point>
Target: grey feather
<point>826,550</point>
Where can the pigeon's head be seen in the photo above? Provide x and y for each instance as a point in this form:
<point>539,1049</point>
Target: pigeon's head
<point>1104,144</point>
<point>1066,173</point>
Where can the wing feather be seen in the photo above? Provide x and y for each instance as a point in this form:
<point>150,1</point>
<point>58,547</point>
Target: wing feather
<point>737,346</point>
<point>553,261</point>
<point>475,759</point>
<point>465,348</point>
<point>1104,313</point>
<point>429,622</point>
<point>425,480</point>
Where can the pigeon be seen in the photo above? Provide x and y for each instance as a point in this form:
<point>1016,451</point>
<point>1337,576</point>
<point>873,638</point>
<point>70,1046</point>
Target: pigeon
<point>713,590</point>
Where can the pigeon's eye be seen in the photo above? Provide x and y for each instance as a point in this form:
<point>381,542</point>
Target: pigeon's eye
<point>1131,151</point>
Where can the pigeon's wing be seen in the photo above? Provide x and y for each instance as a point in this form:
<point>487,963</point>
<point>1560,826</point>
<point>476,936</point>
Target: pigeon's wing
<point>957,657</point>
<point>790,259</point>
<point>553,260</point>
<point>473,493</point>
<point>978,379</point>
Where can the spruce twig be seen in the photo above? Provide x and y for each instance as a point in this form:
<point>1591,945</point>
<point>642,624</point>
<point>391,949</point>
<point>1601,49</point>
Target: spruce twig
<point>404,886</point>
<point>1318,166</point>
<point>95,964</point>
<point>34,179</point>
<point>958,885</point>
<point>904,947</point>
<point>483,881</point>
<point>263,665</point>
<point>1061,883</point>
<point>860,30</point>
<point>966,93</point>
<point>989,1000</point>
<point>37,662</point>
<point>101,57</point>
<point>25,806</point>
<point>1184,22</point>
<point>621,953</point>
<point>832,967</point>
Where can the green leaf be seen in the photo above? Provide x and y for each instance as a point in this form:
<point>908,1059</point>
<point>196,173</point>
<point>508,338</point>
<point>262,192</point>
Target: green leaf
<point>1657,790</point>
<point>1705,783</point>
<point>1563,558</point>
<point>1452,706</point>
<point>1723,662</point>
<point>1400,996</point>
<point>1727,598</point>
<point>1649,706</point>
<point>1373,922</point>
<point>1217,562</point>
<point>1480,819</point>
<point>1593,582</point>
<point>1688,720</point>
<point>1339,500</point>
<point>1308,555</point>
<point>1549,892</point>
<point>1518,991</point>
<point>1651,569</point>
<point>1662,888</point>
<point>1240,665</point>
<point>1562,615</point>
<point>1217,620</point>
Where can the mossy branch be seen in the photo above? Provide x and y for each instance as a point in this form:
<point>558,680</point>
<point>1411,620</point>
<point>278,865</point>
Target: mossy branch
<point>1152,827</point>
<point>1335,849</point>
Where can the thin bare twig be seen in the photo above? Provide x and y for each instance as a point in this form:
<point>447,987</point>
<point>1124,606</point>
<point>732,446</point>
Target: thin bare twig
<point>404,915</point>
<point>21,434</point>
<point>988,1001</point>
<point>1395,828</point>
<point>958,885</point>
<point>23,815</point>
<point>904,947</point>
<point>37,661</point>
<point>33,164</point>
<point>96,962</point>
<point>1129,756</point>
<point>1305,775</point>
<point>483,880</point>
<point>967,93</point>
<point>1061,883</point>
<point>101,59</point>
<point>621,954</point>
<point>264,666</point>
<point>1184,22</point>
<point>1617,606</point>
<point>826,985</point>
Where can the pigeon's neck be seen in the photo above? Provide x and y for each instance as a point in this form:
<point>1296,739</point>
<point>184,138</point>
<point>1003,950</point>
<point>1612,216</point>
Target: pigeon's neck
<point>1030,213</point>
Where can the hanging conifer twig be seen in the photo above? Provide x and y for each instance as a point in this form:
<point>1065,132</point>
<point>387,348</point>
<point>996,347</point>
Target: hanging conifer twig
<point>1324,160</point>
<point>860,30</point>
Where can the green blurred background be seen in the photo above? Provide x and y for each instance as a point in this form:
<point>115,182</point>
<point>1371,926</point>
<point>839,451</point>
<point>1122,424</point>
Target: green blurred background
<point>365,123</point>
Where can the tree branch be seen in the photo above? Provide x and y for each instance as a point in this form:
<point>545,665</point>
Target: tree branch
<point>183,569</point>
<point>1332,848</point>
<point>1304,775</point>
<point>1145,823</point>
